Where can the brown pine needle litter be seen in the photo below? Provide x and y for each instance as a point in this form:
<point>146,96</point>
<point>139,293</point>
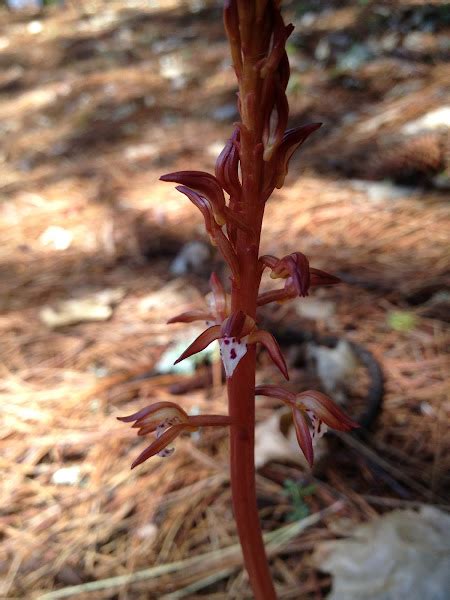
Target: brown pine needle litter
<point>89,124</point>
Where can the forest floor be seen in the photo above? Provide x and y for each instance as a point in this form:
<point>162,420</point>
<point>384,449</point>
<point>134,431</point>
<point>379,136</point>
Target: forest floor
<point>97,100</point>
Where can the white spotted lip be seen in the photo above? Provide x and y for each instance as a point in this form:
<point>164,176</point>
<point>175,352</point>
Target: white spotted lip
<point>231,351</point>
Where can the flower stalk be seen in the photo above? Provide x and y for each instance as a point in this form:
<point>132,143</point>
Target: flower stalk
<point>254,161</point>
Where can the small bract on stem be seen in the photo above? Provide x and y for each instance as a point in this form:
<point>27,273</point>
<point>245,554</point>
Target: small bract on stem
<point>254,161</point>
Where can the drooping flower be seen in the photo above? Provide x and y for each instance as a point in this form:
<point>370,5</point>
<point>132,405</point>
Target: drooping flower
<point>275,122</point>
<point>312,412</point>
<point>299,276</point>
<point>277,168</point>
<point>227,166</point>
<point>167,420</point>
<point>205,191</point>
<point>206,185</point>
<point>234,332</point>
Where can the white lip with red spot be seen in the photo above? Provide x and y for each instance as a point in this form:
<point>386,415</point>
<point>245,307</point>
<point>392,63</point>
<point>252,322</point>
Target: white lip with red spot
<point>231,351</point>
<point>318,428</point>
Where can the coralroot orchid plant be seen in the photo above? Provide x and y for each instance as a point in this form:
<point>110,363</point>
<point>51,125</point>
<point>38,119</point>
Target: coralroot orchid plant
<point>252,164</point>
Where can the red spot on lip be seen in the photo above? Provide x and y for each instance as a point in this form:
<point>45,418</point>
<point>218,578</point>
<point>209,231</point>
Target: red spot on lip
<point>226,341</point>
<point>232,353</point>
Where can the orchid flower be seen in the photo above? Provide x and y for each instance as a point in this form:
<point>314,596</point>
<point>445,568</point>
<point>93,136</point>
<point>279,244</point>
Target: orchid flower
<point>235,332</point>
<point>299,276</point>
<point>312,412</point>
<point>205,191</point>
<point>168,421</point>
<point>279,161</point>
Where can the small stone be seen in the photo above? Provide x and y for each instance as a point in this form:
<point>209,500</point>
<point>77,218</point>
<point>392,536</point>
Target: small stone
<point>322,52</point>
<point>315,309</point>
<point>147,532</point>
<point>67,476</point>
<point>431,121</point>
<point>35,27</point>
<point>56,237</point>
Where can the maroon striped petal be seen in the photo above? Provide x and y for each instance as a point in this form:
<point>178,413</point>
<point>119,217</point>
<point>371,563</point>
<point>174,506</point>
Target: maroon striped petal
<point>271,345</point>
<point>204,184</point>
<point>276,391</point>
<point>303,435</point>
<point>160,443</point>
<point>150,410</point>
<point>326,410</point>
<point>190,316</point>
<point>319,277</point>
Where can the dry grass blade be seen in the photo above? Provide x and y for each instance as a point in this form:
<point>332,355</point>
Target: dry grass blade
<point>274,540</point>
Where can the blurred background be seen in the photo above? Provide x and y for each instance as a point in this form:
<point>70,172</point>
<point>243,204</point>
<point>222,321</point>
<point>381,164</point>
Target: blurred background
<point>97,100</point>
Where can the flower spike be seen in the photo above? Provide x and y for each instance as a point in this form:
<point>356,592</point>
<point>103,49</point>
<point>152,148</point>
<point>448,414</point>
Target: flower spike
<point>168,420</point>
<point>313,412</point>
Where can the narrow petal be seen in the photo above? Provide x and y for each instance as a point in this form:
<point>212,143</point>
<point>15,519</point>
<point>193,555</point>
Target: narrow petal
<point>152,409</point>
<point>228,253</point>
<point>203,205</point>
<point>326,410</point>
<point>232,326</point>
<point>204,184</point>
<point>319,277</point>
<point>271,345</point>
<point>276,391</point>
<point>292,140</point>
<point>190,316</point>
<point>303,435</point>
<point>227,166</point>
<point>199,344</point>
<point>275,123</point>
<point>219,296</point>
<point>238,324</point>
<point>159,444</point>
<point>269,261</point>
<point>276,296</point>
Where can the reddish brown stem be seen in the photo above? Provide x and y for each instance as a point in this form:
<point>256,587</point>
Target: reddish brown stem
<point>242,412</point>
<point>241,397</point>
<point>241,387</point>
